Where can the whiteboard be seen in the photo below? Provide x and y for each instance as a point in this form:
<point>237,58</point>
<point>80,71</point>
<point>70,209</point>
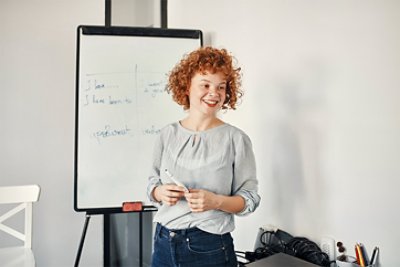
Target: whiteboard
<point>121,105</point>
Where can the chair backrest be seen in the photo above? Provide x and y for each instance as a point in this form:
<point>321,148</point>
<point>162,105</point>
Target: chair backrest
<point>25,195</point>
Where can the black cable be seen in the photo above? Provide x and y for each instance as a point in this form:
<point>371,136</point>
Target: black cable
<point>308,250</point>
<point>281,241</point>
<point>271,235</point>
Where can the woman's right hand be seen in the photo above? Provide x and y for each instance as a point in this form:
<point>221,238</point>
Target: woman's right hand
<point>168,194</point>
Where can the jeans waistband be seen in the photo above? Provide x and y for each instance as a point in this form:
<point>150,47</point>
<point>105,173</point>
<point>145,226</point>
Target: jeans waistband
<point>189,232</point>
<point>164,230</point>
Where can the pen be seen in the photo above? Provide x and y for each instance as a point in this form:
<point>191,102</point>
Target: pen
<point>374,254</point>
<point>175,180</point>
<point>364,254</point>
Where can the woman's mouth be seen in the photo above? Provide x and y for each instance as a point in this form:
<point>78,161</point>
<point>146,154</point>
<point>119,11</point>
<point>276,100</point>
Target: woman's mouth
<point>211,103</point>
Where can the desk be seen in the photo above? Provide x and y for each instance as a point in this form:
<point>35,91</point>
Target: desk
<point>281,260</point>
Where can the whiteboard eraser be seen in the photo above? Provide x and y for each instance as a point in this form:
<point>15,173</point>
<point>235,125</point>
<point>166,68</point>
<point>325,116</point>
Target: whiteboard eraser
<point>132,206</point>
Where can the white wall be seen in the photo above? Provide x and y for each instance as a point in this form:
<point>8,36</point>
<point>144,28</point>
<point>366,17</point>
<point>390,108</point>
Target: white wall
<point>321,106</point>
<point>139,13</point>
<point>37,77</point>
<point>321,80</point>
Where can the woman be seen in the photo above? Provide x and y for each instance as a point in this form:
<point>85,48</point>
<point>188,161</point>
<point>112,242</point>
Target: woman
<point>213,159</point>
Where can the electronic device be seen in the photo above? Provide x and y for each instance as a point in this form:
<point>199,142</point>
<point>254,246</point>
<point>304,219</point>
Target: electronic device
<point>281,260</point>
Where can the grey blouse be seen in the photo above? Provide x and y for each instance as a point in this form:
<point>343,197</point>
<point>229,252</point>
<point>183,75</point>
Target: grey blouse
<point>220,160</point>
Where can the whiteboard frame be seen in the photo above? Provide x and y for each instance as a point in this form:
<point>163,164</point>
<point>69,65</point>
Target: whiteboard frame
<point>116,31</point>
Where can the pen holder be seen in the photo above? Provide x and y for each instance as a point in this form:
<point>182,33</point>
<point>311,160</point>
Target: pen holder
<point>351,262</point>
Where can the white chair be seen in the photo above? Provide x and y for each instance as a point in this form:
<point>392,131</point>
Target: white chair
<point>23,195</point>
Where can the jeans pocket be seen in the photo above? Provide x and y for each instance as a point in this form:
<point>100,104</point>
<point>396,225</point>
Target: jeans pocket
<point>210,244</point>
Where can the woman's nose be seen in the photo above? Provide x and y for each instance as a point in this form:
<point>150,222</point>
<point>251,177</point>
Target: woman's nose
<point>212,90</point>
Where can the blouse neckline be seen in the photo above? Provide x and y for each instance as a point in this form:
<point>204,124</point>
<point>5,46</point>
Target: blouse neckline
<point>216,128</point>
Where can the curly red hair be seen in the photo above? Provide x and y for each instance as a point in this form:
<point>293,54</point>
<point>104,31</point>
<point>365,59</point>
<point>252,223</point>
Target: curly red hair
<point>205,59</point>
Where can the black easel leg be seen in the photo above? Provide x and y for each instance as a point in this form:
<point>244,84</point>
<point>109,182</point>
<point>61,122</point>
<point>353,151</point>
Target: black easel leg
<point>164,14</point>
<point>107,13</point>
<point>141,239</point>
<point>107,240</point>
<point>78,255</point>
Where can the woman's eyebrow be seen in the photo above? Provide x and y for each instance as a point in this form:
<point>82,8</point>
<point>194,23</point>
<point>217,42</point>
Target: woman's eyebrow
<point>205,80</point>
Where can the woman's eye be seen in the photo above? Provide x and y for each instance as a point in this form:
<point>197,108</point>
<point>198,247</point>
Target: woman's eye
<point>222,87</point>
<point>205,86</point>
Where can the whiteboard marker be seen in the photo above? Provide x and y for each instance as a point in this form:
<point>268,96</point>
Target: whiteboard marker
<point>175,180</point>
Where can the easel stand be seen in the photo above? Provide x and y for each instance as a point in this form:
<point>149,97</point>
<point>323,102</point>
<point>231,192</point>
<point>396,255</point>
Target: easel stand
<point>79,253</point>
<point>107,253</point>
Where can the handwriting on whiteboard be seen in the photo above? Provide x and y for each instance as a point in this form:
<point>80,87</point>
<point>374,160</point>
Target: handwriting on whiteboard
<point>112,96</point>
<point>109,131</point>
<point>105,100</point>
<point>151,131</point>
<point>96,84</point>
<point>154,88</point>
<point>121,88</point>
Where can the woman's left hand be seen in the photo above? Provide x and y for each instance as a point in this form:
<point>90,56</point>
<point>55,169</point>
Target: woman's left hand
<point>202,200</point>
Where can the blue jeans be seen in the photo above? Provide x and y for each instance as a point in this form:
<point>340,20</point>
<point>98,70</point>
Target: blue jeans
<point>192,248</point>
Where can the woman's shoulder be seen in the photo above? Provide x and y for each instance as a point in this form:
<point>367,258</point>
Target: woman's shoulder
<point>235,131</point>
<point>236,134</point>
<point>171,127</point>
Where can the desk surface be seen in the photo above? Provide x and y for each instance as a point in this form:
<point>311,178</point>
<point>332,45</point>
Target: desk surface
<point>281,260</point>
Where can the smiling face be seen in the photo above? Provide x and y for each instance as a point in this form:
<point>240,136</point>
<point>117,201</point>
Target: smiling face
<point>207,93</point>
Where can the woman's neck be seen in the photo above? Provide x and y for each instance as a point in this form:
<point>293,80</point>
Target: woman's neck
<point>199,124</point>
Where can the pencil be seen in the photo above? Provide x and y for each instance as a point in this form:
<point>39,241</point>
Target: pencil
<point>362,262</point>
<point>357,255</point>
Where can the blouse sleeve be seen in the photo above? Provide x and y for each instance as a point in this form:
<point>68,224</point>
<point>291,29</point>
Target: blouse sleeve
<point>245,182</point>
<point>154,178</point>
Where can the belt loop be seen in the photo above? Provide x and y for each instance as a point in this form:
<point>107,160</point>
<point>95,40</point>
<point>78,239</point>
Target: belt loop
<point>158,229</point>
<point>184,232</point>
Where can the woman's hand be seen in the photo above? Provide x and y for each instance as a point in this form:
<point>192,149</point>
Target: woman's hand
<point>202,200</point>
<point>168,194</point>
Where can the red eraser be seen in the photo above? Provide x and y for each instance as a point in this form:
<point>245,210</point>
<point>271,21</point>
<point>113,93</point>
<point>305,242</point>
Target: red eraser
<point>132,206</point>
